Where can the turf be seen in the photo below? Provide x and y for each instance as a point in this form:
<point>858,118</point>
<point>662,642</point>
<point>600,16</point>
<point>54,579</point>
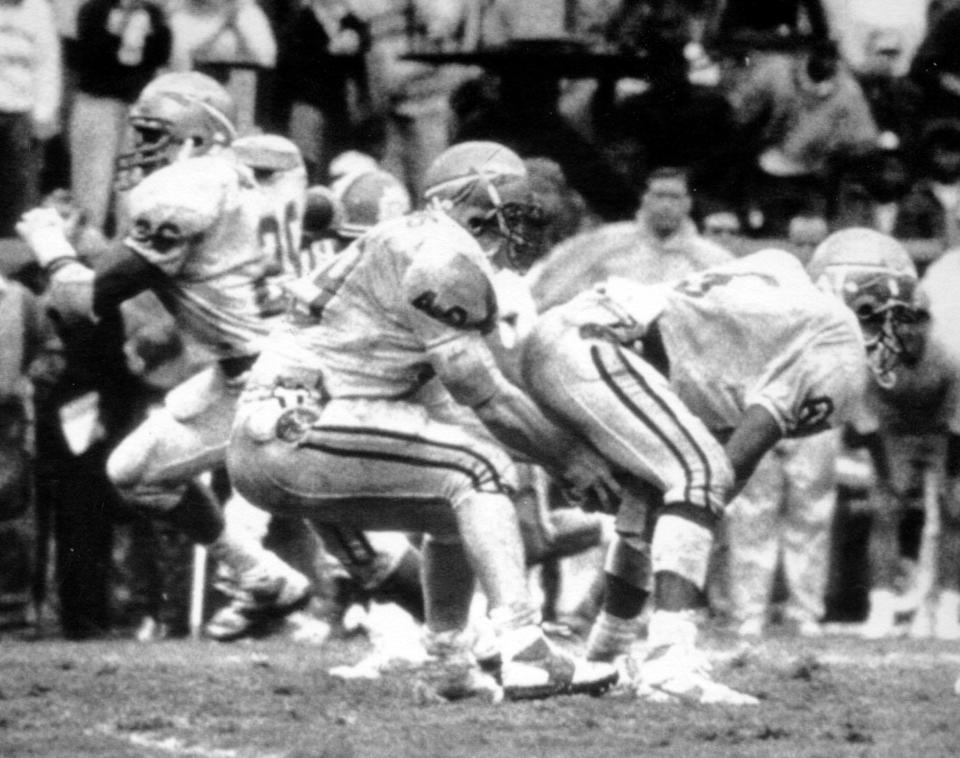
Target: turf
<point>830,697</point>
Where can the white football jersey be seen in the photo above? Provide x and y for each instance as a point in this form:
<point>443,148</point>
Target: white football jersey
<point>196,221</point>
<point>753,331</point>
<point>364,323</point>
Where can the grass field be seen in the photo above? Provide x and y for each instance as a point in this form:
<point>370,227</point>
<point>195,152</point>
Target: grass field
<point>830,697</point>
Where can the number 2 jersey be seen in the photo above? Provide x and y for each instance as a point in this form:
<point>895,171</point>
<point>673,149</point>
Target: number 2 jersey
<point>753,331</point>
<point>365,324</point>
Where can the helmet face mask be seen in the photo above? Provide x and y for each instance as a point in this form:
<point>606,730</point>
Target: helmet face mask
<point>485,186</point>
<point>876,278</point>
<point>177,115</point>
<point>893,327</point>
<point>520,223</point>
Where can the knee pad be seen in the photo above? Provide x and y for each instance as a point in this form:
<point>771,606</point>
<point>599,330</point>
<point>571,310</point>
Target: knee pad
<point>682,546</point>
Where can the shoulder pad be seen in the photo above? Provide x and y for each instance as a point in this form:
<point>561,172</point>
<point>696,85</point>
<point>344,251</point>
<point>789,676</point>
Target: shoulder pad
<point>453,288</point>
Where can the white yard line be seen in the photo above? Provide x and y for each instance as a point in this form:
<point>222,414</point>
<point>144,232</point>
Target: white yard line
<point>169,745</point>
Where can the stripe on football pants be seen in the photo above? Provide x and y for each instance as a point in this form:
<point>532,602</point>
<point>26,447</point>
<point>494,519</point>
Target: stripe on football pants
<point>478,468</point>
<point>661,433</point>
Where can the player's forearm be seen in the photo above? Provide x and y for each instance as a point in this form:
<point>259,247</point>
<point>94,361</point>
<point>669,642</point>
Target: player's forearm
<point>756,434</point>
<point>516,421</point>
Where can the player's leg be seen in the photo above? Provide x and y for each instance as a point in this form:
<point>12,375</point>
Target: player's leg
<point>153,466</point>
<point>411,473</point>
<point>887,507</point>
<point>947,622</point>
<point>631,415</point>
<point>812,498</point>
<point>753,533</point>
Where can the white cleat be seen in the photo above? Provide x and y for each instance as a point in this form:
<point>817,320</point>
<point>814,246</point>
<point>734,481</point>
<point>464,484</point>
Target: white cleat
<point>676,673</point>
<point>538,669</point>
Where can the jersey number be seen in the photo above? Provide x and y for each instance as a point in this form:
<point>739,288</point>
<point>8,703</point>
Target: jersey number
<point>278,241</point>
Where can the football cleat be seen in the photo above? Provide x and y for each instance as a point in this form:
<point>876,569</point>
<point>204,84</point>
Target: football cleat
<point>540,670</point>
<point>260,607</point>
<point>677,673</point>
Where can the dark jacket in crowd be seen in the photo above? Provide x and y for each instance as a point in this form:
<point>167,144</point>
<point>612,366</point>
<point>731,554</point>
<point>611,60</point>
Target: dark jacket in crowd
<point>94,54</point>
<point>307,71</point>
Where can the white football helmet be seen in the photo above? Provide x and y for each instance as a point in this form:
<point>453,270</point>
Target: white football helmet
<point>876,277</point>
<point>492,182</point>
<point>179,113</point>
<point>367,198</point>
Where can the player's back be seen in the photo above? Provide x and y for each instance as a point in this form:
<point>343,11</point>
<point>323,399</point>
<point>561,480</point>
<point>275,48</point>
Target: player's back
<point>196,221</point>
<point>366,320</point>
<point>755,330</point>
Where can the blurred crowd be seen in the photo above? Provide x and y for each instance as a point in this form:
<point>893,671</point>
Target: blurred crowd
<point>714,128</point>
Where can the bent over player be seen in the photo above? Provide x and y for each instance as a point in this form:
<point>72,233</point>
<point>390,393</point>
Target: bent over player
<point>192,239</point>
<point>344,419</point>
<point>684,387</point>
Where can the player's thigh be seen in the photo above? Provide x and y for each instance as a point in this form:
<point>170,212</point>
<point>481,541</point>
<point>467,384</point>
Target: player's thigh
<point>184,437</point>
<point>369,464</point>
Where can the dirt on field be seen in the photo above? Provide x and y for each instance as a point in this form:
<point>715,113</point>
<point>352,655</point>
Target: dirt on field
<point>829,698</point>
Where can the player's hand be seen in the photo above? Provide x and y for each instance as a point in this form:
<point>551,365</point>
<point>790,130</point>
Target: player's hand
<point>588,481</point>
<point>45,231</point>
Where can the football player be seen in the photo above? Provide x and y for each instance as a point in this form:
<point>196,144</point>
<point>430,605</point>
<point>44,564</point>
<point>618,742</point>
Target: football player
<point>910,420</point>
<point>685,386</point>
<point>192,238</point>
<point>346,418</point>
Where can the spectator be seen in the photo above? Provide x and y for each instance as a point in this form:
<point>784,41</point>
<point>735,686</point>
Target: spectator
<point>120,45</point>
<point>859,24</point>
<point>870,190</point>
<point>930,209</point>
<point>220,32</point>
<point>412,96</point>
<point>522,113</point>
<point>95,389</point>
<point>673,122</point>
<point>661,244</point>
<point>803,112</point>
<point>23,334</point>
<point>936,66</point>
<point>783,515</point>
<point>894,99</point>
<point>321,61</point>
<point>30,93</point>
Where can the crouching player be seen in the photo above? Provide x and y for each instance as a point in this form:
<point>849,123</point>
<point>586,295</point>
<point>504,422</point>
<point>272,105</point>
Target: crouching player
<point>685,386</point>
<point>339,420</point>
